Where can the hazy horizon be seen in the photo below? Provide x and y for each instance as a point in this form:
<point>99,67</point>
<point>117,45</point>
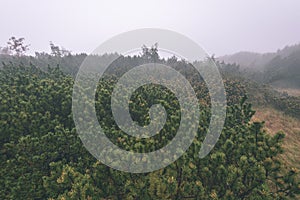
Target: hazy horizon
<point>221,28</point>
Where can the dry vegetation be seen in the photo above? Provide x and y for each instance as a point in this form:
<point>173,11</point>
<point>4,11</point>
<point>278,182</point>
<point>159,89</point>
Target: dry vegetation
<point>290,91</point>
<point>277,121</point>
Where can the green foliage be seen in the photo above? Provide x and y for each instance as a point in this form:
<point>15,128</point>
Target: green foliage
<point>43,158</point>
<point>260,95</point>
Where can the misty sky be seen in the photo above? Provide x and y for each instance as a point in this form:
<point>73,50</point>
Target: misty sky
<point>220,27</point>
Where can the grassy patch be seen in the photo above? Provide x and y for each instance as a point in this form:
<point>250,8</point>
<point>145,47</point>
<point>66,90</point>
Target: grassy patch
<point>278,121</point>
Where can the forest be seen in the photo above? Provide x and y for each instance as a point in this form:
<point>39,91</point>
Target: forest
<point>42,156</point>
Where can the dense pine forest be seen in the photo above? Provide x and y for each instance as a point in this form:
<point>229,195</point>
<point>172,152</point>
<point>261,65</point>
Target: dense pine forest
<point>42,156</point>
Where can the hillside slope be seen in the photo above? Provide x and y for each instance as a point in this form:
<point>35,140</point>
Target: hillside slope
<point>280,69</point>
